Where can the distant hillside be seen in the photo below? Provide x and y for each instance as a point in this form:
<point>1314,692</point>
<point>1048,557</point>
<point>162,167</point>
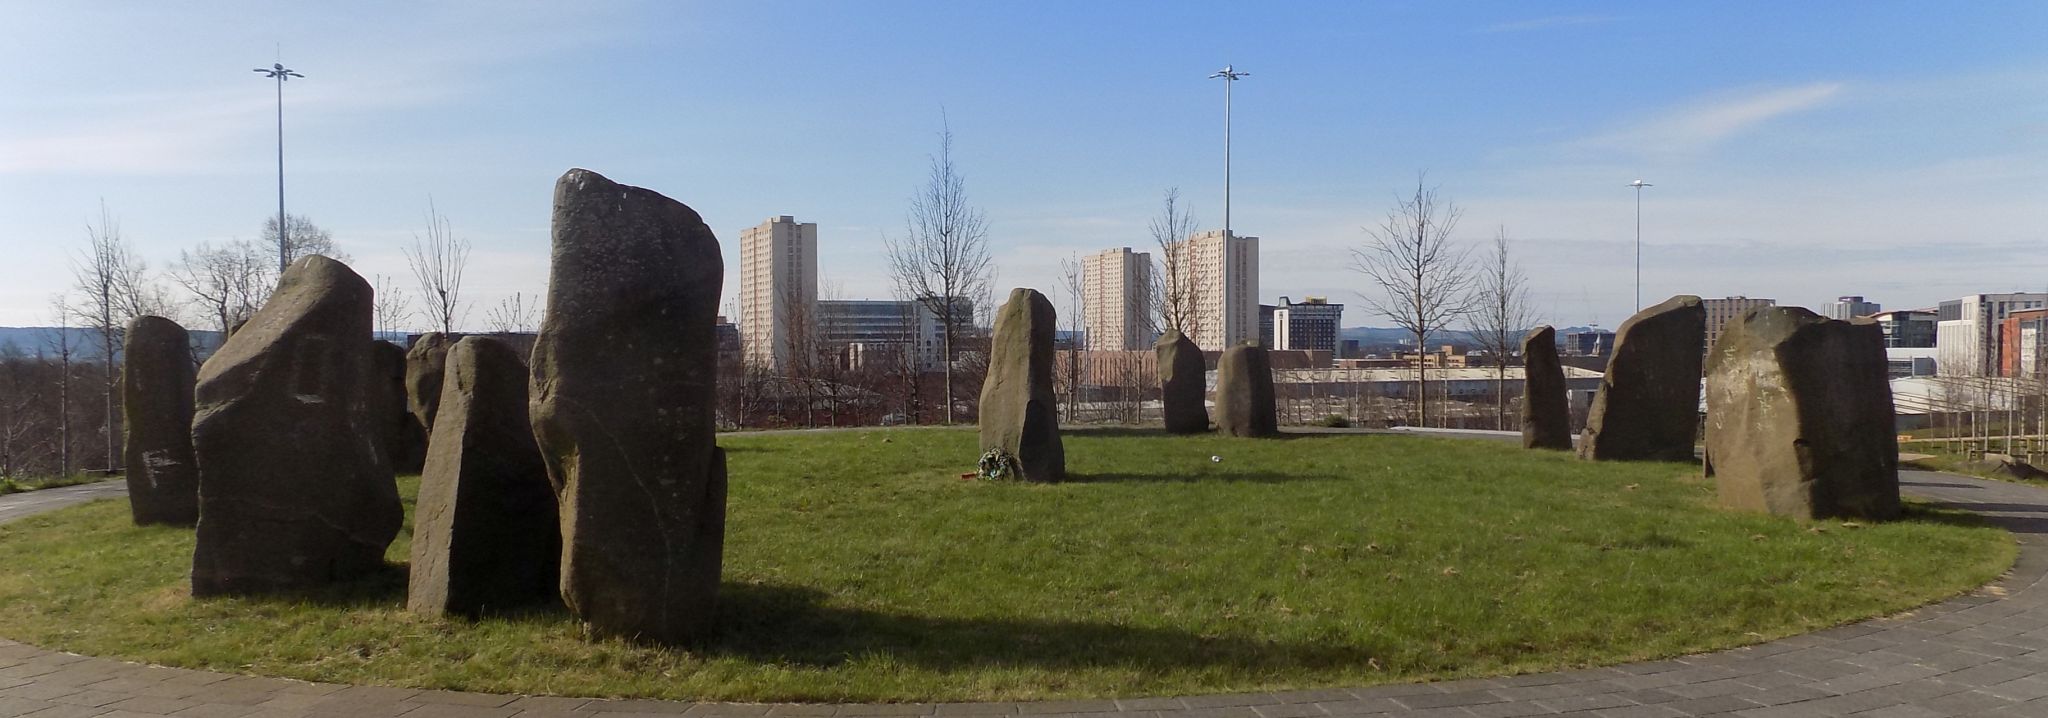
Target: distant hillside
<point>85,343</point>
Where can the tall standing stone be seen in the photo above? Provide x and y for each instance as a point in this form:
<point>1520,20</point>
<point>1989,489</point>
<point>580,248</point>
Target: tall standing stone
<point>1019,415</point>
<point>156,413</point>
<point>1182,384</point>
<point>1244,393</point>
<point>424,364</point>
<point>624,371</point>
<point>486,534</point>
<point>1546,412</point>
<point>1800,419</point>
<point>404,439</point>
<point>294,491</point>
<point>1648,408</point>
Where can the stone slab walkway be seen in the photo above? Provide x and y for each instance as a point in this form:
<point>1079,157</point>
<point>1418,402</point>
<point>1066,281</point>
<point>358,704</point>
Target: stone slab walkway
<point>1985,654</point>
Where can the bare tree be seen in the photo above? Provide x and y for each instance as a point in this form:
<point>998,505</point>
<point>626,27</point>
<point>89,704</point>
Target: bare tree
<point>437,262</point>
<point>1179,292</point>
<point>60,309</point>
<point>515,313</point>
<point>1419,277</point>
<point>943,257</point>
<point>1501,314</point>
<point>302,238</point>
<point>392,306</point>
<point>114,288</point>
<point>228,283</point>
<point>1071,281</point>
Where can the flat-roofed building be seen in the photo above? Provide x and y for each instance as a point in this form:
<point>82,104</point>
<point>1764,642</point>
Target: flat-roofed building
<point>778,289</point>
<point>1116,300</point>
<point>1221,270</point>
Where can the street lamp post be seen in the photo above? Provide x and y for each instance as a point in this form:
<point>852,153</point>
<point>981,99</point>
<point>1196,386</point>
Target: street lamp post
<point>1639,185</point>
<point>1230,77</point>
<point>279,72</point>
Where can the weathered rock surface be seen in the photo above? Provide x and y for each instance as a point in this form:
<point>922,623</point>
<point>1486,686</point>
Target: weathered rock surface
<point>156,411</point>
<point>294,491</point>
<point>1019,414</point>
<point>623,377</point>
<point>424,364</point>
<point>1182,384</point>
<point>1800,420</point>
<point>1546,412</point>
<point>1244,392</point>
<point>404,439</point>
<point>486,534</point>
<point>1648,405</point>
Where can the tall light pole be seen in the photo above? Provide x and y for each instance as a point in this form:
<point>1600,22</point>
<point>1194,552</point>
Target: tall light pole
<point>1230,77</point>
<point>1639,185</point>
<point>279,72</point>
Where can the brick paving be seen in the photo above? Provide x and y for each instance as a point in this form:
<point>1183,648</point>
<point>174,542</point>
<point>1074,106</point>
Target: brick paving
<point>1984,654</point>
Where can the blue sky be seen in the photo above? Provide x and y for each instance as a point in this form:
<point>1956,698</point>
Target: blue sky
<point>1799,151</point>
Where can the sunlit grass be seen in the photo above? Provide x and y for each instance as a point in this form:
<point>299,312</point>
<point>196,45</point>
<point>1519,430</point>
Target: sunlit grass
<point>860,567</point>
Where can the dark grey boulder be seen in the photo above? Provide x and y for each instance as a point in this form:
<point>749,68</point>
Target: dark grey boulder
<point>1546,411</point>
<point>424,364</point>
<point>486,534</point>
<point>1800,420</point>
<point>1244,393</point>
<point>1019,415</point>
<point>623,373</point>
<point>1182,384</point>
<point>1648,408</point>
<point>294,491</point>
<point>156,412</point>
<point>404,438</point>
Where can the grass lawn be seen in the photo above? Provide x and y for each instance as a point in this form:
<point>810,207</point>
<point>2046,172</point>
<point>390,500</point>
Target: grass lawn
<point>858,567</point>
<point>15,486</point>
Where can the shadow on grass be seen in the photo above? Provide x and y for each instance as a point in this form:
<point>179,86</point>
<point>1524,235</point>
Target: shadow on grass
<point>1257,477</point>
<point>1111,432</point>
<point>784,624</point>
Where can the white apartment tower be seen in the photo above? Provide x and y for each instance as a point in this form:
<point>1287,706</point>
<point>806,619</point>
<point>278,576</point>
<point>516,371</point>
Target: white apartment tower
<point>778,288</point>
<point>1116,299</point>
<point>1222,269</point>
<point>1967,340</point>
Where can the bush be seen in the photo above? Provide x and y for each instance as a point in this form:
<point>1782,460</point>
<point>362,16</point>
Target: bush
<point>1334,421</point>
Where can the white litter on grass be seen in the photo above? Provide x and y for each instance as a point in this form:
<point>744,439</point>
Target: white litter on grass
<point>1216,459</point>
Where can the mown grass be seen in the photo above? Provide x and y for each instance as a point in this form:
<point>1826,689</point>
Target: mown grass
<point>19,485</point>
<point>859,567</point>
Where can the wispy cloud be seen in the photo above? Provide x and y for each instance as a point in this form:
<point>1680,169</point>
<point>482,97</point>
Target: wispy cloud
<point>1547,23</point>
<point>1700,124</point>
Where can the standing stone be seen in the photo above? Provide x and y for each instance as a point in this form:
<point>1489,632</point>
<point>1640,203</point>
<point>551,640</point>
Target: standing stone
<point>424,364</point>
<point>1244,393</point>
<point>294,491</point>
<point>405,440</point>
<point>1648,408</point>
<point>624,371</point>
<point>1019,415</point>
<point>486,535</point>
<point>1182,383</point>
<point>1800,420</point>
<point>156,412</point>
<point>1546,413</point>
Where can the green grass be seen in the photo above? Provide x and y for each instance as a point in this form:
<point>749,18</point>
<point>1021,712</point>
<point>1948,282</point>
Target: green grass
<point>859,567</point>
<point>15,486</point>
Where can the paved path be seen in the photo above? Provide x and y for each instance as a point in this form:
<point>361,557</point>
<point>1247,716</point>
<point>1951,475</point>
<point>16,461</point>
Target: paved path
<point>1985,654</point>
